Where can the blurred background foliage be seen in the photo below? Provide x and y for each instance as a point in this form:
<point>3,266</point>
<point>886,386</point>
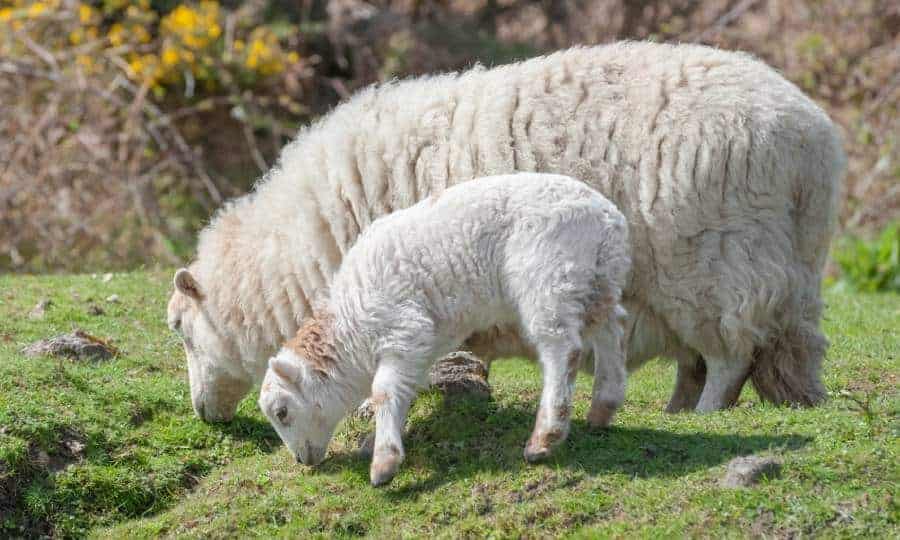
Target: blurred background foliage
<point>123,125</point>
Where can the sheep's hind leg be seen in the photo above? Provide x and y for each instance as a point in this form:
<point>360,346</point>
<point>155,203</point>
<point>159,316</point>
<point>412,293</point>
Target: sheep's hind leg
<point>689,382</point>
<point>392,399</point>
<point>724,380</point>
<point>560,362</point>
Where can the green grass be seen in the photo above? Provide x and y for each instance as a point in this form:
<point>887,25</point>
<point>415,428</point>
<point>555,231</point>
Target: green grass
<point>148,467</point>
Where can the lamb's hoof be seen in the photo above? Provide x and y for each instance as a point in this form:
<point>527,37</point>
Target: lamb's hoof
<point>601,415</point>
<point>384,468</point>
<point>536,455</point>
<point>541,445</point>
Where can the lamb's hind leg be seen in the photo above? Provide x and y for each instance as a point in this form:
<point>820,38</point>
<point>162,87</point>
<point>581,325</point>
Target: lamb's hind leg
<point>609,372</point>
<point>559,362</point>
<point>724,380</point>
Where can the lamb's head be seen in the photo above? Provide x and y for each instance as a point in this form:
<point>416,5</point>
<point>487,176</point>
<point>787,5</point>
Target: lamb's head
<point>300,395</point>
<point>213,363</point>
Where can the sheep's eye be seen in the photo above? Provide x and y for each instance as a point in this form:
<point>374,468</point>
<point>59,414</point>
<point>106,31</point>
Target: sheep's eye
<point>281,413</point>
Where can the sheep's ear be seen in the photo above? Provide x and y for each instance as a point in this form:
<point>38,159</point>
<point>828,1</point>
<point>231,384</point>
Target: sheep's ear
<point>187,285</point>
<point>285,368</point>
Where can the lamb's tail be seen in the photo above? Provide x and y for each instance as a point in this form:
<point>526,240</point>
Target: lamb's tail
<point>787,367</point>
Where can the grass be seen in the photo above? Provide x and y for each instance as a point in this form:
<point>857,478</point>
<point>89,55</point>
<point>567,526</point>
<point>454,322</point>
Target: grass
<point>112,449</point>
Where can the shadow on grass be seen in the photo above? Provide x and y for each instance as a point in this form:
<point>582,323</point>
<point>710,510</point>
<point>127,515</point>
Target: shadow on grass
<point>252,430</point>
<point>468,436</point>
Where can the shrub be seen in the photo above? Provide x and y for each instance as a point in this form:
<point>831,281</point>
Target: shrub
<point>870,266</point>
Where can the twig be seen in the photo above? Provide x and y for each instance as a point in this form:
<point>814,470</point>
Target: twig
<point>726,19</point>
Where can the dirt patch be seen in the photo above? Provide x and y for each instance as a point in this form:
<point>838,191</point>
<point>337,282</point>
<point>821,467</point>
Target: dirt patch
<point>548,481</point>
<point>79,345</point>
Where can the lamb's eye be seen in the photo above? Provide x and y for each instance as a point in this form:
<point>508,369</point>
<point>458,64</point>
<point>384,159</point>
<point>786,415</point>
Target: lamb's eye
<point>281,413</point>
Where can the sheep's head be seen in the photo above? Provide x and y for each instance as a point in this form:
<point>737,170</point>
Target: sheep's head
<point>215,390</point>
<point>302,404</point>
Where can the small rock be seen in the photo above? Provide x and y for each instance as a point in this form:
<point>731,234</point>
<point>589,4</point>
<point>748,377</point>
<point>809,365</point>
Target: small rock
<point>460,373</point>
<point>74,446</point>
<point>106,278</point>
<point>365,410</point>
<point>95,310</point>
<point>78,345</point>
<point>748,470</point>
<point>40,309</point>
<point>113,299</point>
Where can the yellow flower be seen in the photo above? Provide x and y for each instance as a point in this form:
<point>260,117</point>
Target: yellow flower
<point>85,61</point>
<point>170,56</point>
<point>76,36</point>
<point>137,66</point>
<point>115,34</point>
<point>85,13</point>
<point>293,57</point>
<point>35,9</point>
<point>214,31</point>
<point>187,56</point>
<point>238,45</point>
<point>183,17</point>
<point>92,32</point>
<point>5,14</point>
<point>140,33</point>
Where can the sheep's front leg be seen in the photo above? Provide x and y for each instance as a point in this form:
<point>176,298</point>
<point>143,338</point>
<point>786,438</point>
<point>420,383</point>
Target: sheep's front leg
<point>610,374</point>
<point>391,400</point>
<point>560,367</point>
<point>724,381</point>
<point>689,382</point>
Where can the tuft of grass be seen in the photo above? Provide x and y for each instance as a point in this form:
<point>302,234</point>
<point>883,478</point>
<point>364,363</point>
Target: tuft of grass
<point>113,449</point>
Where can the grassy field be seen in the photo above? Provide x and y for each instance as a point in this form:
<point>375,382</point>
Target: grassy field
<point>112,449</point>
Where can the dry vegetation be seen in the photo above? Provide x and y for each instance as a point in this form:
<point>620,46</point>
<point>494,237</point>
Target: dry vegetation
<point>123,125</point>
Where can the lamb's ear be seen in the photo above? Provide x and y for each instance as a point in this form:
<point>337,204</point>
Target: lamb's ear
<point>285,368</point>
<point>187,285</point>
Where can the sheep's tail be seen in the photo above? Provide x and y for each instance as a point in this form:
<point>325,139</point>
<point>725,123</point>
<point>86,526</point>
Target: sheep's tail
<point>787,367</point>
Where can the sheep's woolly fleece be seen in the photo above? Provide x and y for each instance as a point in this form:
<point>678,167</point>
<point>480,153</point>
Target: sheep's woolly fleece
<point>727,173</point>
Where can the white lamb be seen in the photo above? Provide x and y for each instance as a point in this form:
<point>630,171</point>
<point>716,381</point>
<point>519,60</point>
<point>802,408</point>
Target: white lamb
<point>543,253</point>
<point>728,175</point>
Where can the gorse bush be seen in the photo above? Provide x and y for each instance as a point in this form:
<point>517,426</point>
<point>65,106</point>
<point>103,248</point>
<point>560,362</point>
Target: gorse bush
<point>870,265</point>
<point>104,113</point>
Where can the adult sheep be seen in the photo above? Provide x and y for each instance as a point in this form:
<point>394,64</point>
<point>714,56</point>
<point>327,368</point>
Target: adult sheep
<point>727,173</point>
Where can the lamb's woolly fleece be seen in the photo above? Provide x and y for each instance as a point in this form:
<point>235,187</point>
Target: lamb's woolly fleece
<point>542,253</point>
<point>727,173</point>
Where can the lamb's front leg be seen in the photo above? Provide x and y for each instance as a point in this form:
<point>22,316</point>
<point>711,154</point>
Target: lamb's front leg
<point>391,397</point>
<point>560,365</point>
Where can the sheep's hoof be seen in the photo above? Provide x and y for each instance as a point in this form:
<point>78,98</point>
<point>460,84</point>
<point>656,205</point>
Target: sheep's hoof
<point>384,468</point>
<point>600,415</point>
